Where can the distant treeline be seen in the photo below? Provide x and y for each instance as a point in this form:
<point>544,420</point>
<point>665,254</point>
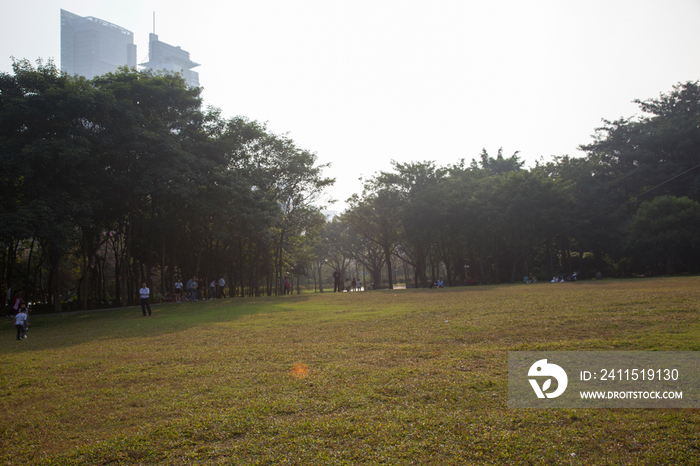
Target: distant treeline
<point>629,207</point>
<point>125,178</point>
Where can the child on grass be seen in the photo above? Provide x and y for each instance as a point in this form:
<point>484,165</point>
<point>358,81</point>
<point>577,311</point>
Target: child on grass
<point>21,322</point>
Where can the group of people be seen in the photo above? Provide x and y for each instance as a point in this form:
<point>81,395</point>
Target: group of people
<point>439,283</point>
<point>18,309</point>
<point>561,278</point>
<point>351,284</point>
<point>192,289</point>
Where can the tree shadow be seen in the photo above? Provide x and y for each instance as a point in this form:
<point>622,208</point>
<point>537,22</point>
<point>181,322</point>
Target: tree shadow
<point>69,329</point>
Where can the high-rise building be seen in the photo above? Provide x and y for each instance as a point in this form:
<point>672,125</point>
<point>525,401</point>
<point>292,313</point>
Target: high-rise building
<point>92,47</point>
<point>162,56</point>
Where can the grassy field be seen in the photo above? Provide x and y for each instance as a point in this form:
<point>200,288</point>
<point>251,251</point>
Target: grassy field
<point>385,377</point>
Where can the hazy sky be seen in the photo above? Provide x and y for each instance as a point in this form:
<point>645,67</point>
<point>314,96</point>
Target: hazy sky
<point>364,82</point>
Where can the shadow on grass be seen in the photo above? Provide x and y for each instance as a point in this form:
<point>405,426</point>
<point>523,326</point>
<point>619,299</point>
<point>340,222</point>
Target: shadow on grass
<point>63,330</point>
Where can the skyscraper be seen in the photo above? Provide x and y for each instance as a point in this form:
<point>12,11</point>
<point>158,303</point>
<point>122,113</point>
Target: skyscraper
<point>92,47</point>
<point>162,56</point>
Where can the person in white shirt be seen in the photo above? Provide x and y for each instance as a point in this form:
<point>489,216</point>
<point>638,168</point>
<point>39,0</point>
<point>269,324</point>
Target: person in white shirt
<point>145,293</point>
<point>21,322</point>
<point>178,290</point>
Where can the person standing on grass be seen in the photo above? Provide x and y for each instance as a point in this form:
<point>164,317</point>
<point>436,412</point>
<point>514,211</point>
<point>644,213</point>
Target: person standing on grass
<point>178,290</point>
<point>212,290</point>
<point>16,300</point>
<point>287,285</point>
<point>21,322</point>
<point>195,285</point>
<point>189,288</point>
<point>145,293</point>
<point>222,284</point>
<point>337,285</point>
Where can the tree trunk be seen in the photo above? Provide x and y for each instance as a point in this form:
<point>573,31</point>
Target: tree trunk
<point>279,274</point>
<point>496,270</point>
<point>670,264</point>
<point>163,289</point>
<point>240,267</point>
<point>86,278</point>
<point>125,266</point>
<point>390,275</point>
<point>172,273</point>
<point>149,265</point>
<point>199,259</point>
<point>525,264</point>
<point>38,276</point>
<point>483,272</point>
<point>449,271</point>
<point>472,263</point>
<point>11,256</point>
<point>55,262</point>
<point>29,295</point>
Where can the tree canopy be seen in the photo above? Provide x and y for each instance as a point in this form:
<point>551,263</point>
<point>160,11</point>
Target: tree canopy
<point>623,209</point>
<point>127,171</point>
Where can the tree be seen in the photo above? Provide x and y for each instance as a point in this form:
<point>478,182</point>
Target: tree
<point>666,231</point>
<point>423,221</point>
<point>375,217</point>
<point>48,128</point>
<point>499,165</point>
<point>662,145</point>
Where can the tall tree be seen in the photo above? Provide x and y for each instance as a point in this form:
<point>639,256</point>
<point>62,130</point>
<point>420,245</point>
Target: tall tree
<point>666,231</point>
<point>375,216</point>
<point>661,145</point>
<point>48,127</point>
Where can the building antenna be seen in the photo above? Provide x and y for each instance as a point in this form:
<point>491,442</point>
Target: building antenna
<point>154,22</point>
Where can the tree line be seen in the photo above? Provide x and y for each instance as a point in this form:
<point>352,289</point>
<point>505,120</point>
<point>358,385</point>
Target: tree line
<point>629,207</point>
<point>126,178</point>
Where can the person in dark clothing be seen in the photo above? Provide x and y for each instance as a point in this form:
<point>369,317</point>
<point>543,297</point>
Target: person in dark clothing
<point>337,284</point>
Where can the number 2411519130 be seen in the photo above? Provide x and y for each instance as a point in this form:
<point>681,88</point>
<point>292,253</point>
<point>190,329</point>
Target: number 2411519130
<point>638,374</point>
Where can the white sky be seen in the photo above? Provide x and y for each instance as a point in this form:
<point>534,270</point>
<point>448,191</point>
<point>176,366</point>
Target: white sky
<point>362,82</point>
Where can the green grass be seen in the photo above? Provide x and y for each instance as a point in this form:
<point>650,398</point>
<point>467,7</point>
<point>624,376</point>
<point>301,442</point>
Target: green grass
<point>395,377</point>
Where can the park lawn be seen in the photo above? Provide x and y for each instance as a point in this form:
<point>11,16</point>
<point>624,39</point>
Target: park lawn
<point>383,377</point>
